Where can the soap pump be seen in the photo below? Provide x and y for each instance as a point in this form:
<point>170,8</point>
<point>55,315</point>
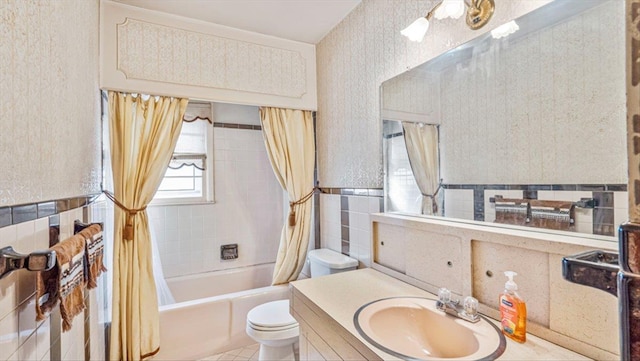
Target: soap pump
<point>513,311</point>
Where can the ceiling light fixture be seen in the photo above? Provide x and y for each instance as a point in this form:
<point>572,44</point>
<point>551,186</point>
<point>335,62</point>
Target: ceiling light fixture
<point>478,14</point>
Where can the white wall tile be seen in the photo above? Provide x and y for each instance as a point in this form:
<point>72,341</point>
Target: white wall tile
<point>9,337</point>
<point>28,350</point>
<point>248,210</point>
<point>358,204</point>
<point>27,319</point>
<point>43,338</point>
<point>9,299</point>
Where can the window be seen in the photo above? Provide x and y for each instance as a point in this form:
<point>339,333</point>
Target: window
<point>189,176</point>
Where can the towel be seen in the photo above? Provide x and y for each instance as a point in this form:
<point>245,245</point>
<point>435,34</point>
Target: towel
<point>94,251</point>
<point>64,282</point>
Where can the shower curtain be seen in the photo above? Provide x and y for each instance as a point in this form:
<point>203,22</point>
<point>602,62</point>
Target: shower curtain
<point>164,294</point>
<point>422,148</point>
<point>143,133</point>
<point>288,136</point>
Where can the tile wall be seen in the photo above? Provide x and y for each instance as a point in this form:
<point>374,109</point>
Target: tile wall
<point>21,336</point>
<point>248,210</point>
<point>344,221</point>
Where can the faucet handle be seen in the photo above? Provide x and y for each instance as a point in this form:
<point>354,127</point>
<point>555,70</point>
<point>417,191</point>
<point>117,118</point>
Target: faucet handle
<point>444,295</point>
<point>470,306</point>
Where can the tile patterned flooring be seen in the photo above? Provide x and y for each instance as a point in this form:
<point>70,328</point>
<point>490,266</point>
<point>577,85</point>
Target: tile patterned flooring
<point>248,353</point>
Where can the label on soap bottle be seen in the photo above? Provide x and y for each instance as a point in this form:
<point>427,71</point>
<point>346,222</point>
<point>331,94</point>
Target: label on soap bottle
<point>513,317</point>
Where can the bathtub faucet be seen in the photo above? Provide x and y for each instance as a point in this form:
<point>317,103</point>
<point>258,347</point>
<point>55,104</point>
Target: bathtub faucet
<point>468,311</point>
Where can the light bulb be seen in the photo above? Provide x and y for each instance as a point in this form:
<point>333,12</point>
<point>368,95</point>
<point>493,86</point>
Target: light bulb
<point>450,9</point>
<point>505,30</point>
<point>417,30</point>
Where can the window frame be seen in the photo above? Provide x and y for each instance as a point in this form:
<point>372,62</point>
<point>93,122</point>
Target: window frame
<point>197,109</point>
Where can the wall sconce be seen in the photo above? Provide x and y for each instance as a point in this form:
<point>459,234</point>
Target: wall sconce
<point>478,14</point>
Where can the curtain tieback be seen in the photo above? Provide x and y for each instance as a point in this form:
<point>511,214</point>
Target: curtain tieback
<point>434,193</point>
<point>128,232</point>
<point>434,205</point>
<point>292,210</point>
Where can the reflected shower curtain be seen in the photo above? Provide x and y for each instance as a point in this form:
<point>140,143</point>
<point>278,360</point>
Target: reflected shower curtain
<point>422,147</point>
<point>288,136</point>
<point>143,133</point>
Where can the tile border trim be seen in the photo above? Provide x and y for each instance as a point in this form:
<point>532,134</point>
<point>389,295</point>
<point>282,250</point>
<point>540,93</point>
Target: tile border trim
<point>20,213</point>
<point>541,187</point>
<point>237,126</point>
<point>363,192</point>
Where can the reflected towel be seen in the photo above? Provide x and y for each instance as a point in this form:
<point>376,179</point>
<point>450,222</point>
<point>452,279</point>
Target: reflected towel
<point>64,282</point>
<point>94,251</point>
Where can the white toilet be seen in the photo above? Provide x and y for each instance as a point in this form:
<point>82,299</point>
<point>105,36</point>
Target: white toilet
<point>271,325</point>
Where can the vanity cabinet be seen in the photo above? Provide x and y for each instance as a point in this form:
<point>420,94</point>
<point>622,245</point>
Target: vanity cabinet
<point>321,337</point>
<point>325,308</point>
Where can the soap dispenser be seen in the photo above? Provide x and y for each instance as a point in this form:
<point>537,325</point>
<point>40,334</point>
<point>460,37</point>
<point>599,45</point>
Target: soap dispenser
<point>513,311</point>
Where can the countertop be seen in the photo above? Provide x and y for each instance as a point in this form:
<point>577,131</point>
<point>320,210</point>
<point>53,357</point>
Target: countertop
<point>340,295</point>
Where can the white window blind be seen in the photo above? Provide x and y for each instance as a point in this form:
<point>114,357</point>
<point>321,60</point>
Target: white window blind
<point>187,174</point>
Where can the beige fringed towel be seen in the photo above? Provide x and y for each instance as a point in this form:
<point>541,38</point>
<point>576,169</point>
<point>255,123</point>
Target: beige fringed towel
<point>64,282</point>
<point>94,252</point>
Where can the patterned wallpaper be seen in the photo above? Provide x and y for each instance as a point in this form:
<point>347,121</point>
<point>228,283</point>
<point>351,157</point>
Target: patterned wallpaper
<point>416,92</point>
<point>166,54</point>
<point>49,100</point>
<point>364,50</point>
<point>245,66</point>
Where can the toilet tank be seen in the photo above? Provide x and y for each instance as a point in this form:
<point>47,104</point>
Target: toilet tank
<point>325,261</point>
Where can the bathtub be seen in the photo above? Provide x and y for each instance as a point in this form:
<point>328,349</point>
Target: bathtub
<point>210,312</point>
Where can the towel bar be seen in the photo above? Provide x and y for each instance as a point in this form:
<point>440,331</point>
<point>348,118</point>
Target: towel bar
<point>11,260</point>
<point>78,226</point>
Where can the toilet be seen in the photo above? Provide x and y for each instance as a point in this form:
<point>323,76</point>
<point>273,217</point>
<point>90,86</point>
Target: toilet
<point>271,324</point>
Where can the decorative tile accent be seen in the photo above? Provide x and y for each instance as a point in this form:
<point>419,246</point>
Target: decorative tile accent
<point>24,213</point>
<point>28,212</point>
<point>46,209</point>
<point>5,216</point>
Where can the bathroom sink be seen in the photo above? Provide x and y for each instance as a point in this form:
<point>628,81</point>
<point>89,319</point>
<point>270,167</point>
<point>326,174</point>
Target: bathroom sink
<point>413,328</point>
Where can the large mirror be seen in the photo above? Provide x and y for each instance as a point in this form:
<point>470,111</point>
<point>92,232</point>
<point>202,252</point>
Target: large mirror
<point>526,130</point>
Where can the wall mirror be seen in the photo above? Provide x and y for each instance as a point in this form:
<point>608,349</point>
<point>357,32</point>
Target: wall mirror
<point>526,130</point>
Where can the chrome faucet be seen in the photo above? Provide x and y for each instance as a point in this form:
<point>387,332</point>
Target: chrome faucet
<point>468,311</point>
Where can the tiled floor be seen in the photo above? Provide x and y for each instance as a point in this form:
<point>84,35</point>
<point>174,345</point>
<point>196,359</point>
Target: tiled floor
<point>249,353</point>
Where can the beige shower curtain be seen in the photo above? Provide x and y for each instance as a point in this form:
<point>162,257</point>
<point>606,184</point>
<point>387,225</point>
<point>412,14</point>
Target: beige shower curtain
<point>143,135</point>
<point>288,136</point>
<point>422,147</point>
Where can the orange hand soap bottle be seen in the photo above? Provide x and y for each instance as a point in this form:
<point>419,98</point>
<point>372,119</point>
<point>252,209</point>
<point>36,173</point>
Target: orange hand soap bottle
<point>513,311</point>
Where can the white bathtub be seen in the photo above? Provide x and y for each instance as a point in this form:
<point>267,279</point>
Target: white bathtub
<point>210,312</point>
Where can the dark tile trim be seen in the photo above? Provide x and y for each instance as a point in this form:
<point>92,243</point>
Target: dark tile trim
<point>393,135</point>
<point>358,192</point>
<point>28,212</point>
<point>5,216</point>
<point>46,209</point>
<point>237,126</point>
<point>24,213</point>
<point>542,187</point>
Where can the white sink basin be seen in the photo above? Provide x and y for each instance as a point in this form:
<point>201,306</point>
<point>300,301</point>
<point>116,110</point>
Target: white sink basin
<point>412,328</point>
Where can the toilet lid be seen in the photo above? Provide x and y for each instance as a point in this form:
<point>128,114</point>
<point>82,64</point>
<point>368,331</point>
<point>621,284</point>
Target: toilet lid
<point>271,315</point>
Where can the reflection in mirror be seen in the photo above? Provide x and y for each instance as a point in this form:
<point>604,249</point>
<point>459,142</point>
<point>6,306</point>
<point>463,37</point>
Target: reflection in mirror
<point>526,129</point>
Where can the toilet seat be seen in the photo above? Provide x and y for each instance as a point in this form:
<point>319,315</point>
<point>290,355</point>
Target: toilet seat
<point>271,316</point>
<point>272,329</point>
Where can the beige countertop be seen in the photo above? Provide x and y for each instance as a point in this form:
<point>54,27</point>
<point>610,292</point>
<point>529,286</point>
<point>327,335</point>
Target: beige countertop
<point>340,295</point>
